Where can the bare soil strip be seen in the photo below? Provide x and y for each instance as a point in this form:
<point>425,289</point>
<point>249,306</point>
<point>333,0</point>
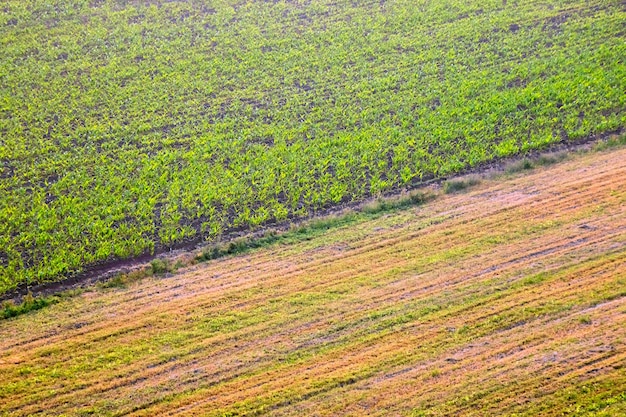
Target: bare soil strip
<point>508,299</point>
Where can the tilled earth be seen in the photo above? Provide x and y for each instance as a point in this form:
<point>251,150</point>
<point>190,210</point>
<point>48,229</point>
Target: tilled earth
<point>507,299</point>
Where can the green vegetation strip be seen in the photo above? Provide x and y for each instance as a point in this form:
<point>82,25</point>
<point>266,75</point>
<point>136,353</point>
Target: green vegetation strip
<point>130,127</point>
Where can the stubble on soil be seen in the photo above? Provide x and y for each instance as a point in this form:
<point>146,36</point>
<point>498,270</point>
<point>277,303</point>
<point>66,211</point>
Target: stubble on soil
<point>509,298</point>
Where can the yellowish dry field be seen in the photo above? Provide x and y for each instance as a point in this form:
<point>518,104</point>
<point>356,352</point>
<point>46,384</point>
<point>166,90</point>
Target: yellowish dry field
<point>507,299</point>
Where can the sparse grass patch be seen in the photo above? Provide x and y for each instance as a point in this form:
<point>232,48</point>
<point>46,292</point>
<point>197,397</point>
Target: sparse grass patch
<point>237,246</point>
<point>29,303</point>
<point>308,229</point>
<point>122,280</point>
<point>118,281</point>
<point>460,184</point>
<point>529,163</point>
<point>413,198</point>
<point>612,142</point>
<point>524,164</point>
<point>161,266</point>
<point>551,158</point>
<point>296,233</point>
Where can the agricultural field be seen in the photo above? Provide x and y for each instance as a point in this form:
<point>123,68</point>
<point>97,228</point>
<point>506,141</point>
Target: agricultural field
<point>506,299</point>
<point>132,127</point>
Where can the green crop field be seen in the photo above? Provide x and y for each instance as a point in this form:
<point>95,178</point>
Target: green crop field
<point>128,127</point>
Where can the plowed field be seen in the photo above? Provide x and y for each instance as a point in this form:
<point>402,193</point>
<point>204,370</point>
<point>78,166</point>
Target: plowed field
<point>507,299</point>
